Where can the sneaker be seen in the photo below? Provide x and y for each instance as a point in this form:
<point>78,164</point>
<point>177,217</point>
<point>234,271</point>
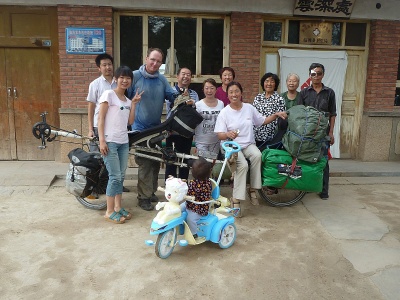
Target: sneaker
<point>324,197</point>
<point>125,189</point>
<point>154,198</point>
<point>145,204</point>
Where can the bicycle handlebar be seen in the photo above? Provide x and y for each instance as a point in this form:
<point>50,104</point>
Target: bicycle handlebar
<point>42,131</point>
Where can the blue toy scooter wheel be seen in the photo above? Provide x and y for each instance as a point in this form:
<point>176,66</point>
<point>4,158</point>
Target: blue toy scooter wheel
<point>228,236</point>
<point>165,243</point>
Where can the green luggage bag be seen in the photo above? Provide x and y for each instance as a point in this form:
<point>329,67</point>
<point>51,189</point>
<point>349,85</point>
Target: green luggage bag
<point>311,173</point>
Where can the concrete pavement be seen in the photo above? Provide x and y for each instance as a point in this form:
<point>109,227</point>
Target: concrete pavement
<point>43,173</point>
<point>361,220</point>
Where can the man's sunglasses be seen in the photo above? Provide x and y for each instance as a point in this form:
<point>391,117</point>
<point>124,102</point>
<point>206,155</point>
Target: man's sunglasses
<point>314,74</point>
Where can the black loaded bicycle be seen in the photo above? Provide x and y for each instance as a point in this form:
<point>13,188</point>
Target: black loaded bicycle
<point>148,144</point>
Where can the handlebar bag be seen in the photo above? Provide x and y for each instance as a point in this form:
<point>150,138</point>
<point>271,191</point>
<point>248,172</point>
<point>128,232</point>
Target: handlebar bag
<point>185,120</point>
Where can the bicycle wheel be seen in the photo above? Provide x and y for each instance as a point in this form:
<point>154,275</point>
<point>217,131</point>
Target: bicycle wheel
<point>97,199</point>
<point>165,243</point>
<point>281,197</point>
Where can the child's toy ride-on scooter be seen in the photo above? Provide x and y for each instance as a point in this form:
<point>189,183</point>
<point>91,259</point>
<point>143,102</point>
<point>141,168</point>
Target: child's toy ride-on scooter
<point>171,222</point>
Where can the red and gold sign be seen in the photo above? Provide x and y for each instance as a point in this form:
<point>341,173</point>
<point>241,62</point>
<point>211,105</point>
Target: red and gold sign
<point>315,33</point>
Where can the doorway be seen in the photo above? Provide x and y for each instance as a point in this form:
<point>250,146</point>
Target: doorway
<point>28,81</point>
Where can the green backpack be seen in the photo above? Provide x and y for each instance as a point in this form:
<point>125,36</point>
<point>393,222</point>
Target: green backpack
<point>306,133</point>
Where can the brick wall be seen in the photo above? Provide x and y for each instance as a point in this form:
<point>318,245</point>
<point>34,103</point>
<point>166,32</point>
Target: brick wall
<point>245,47</point>
<point>77,71</point>
<point>383,64</point>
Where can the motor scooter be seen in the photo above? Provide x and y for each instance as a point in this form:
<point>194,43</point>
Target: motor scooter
<point>218,226</point>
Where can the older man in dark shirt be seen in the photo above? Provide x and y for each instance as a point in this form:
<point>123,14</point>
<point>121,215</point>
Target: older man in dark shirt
<point>323,99</point>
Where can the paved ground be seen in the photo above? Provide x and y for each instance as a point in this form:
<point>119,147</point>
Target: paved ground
<point>348,247</point>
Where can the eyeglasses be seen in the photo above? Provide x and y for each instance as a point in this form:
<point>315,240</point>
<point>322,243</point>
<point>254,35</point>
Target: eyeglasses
<point>124,107</point>
<point>153,60</point>
<point>314,74</point>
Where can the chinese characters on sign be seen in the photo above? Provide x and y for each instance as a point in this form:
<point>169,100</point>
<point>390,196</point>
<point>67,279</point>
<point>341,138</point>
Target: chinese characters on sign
<point>324,8</point>
<point>85,40</point>
<point>315,33</point>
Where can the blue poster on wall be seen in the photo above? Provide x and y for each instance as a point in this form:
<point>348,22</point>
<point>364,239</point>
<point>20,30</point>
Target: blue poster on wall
<point>85,40</point>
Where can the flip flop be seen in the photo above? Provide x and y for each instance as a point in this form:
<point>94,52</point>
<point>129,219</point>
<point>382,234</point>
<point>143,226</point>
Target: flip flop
<point>126,214</point>
<point>115,218</point>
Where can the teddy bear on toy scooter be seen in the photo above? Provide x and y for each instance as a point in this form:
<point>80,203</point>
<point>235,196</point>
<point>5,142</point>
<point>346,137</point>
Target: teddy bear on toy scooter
<point>175,192</point>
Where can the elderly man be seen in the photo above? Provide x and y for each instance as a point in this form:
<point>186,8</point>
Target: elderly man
<point>323,99</point>
<point>180,143</point>
<point>156,89</point>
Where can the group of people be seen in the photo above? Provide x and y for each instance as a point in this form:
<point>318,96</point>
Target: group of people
<point>137,98</point>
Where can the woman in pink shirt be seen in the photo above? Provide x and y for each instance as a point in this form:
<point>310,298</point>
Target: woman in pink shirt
<point>227,74</point>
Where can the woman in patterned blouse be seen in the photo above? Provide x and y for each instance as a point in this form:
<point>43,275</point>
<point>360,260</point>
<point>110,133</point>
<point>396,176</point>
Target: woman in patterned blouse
<point>268,103</point>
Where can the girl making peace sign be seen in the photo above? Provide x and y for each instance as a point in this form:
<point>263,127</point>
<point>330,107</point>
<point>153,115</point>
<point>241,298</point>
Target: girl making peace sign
<point>116,113</point>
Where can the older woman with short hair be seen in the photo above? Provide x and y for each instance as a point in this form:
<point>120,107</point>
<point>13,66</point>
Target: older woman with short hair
<point>291,96</point>
<point>268,103</point>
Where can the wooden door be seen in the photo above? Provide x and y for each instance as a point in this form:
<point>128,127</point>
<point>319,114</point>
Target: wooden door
<point>28,80</point>
<point>6,143</point>
<point>352,104</point>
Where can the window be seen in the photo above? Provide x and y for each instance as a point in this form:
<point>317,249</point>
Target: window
<point>212,41</point>
<point>356,34</point>
<point>196,42</point>
<point>185,42</point>
<point>159,33</point>
<point>273,31</point>
<point>336,33</point>
<point>294,29</point>
<point>131,33</point>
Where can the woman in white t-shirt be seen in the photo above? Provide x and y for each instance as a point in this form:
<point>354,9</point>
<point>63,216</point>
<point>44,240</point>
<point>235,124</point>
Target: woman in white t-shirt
<point>207,142</point>
<point>236,122</point>
<point>116,113</point>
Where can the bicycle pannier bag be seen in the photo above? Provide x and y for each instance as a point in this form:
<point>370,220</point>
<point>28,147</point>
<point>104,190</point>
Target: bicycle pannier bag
<point>83,173</point>
<point>305,177</point>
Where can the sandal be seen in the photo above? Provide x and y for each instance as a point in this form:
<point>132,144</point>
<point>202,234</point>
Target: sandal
<point>235,204</point>
<point>126,214</point>
<point>115,218</point>
<point>253,197</point>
